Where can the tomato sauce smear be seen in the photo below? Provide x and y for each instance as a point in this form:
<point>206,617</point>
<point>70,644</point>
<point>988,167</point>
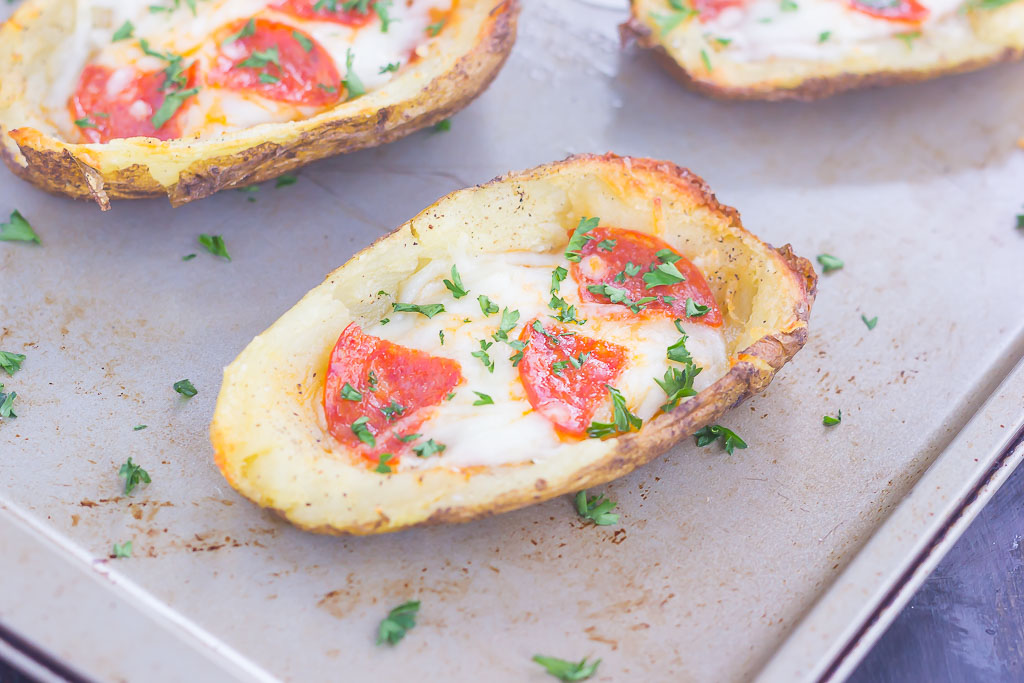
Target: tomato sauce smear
<point>386,375</point>
<point>273,63</point>
<point>565,394</point>
<point>104,111</point>
<point>909,11</point>
<point>710,9</point>
<point>325,10</point>
<point>637,252</point>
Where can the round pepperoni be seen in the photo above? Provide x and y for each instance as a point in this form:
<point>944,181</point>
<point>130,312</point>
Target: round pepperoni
<point>121,103</point>
<point>625,266</point>
<point>910,11</point>
<point>565,374</point>
<point>387,384</point>
<point>709,9</point>
<point>276,61</point>
<point>359,14</point>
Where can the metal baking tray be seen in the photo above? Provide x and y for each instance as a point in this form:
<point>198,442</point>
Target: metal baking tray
<point>782,561</point>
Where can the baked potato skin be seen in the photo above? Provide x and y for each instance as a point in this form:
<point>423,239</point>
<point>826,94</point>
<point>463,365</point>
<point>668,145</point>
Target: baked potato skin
<point>793,81</point>
<point>324,494</point>
<point>123,169</point>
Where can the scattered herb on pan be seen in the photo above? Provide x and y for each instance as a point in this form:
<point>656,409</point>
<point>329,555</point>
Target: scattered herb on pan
<point>597,509</point>
<point>830,421</point>
<point>428,448</point>
<point>123,550</point>
<point>185,388</point>
<point>579,238</point>
<point>429,310</point>
<point>133,476</point>
<point>382,463</point>
<point>398,622</point>
<point>7,404</point>
<point>363,432</point>
<point>455,285</point>
<point>694,309</point>
<point>669,21</point>
<point>1020,221</point>
<point>17,229</point>
<point>353,86</point>
<point>484,399</point>
<point>443,126</point>
<point>486,305</point>
<point>567,671</point>
<point>188,257</point>
<point>623,420</point>
<point>139,428</point>
<point>215,245</point>
<point>11,362</point>
<point>250,192</point>
<point>870,322</point>
<point>829,263</point>
<point>350,393</point>
<point>286,180</point>
<point>730,440</point>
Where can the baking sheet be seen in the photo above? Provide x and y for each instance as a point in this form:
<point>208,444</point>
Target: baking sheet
<point>716,559</point>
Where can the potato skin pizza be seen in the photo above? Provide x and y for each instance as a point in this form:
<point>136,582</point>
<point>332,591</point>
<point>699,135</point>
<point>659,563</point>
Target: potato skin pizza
<point>112,99</point>
<point>545,332</point>
<point>809,49</point>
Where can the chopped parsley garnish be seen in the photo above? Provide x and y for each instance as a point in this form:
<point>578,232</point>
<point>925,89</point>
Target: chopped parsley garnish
<point>353,85</point>
<point>563,311</point>
<point>482,355</point>
<point>788,6</point>
<point>824,36</point>
<point>694,309</point>
<point>579,360</point>
<point>830,421</point>
<point>385,321</point>
<point>1020,221</point>
<point>398,622</point>
<point>539,328</point>
<point>450,396</point>
<point>623,420</point>
<point>435,28</point>
<point>371,379</point>
<point>185,388</point>
<point>486,305</point>
<point>244,32</point>
<point>123,550</point>
<point>607,245</point>
<point>666,256</point>
<point>381,7</point>
<point>579,238</point>
<point>509,319</point>
<point>382,463</point>
<point>558,276</point>
<point>139,428</point>
<point>429,310</point>
<point>258,59</point>
<point>443,126</point>
<point>363,432</point>
<point>667,22</point>
<point>125,31</point>
<point>829,263</point>
<point>677,385</point>
<point>711,433</point>
<point>408,437</point>
<point>870,322</point>
<point>564,670</point>
<point>484,399</point>
<point>215,245</point>
<point>133,476</point>
<point>663,274</point>
<point>286,180</point>
<point>618,295</point>
<point>558,366</point>
<point>392,67</point>
<point>519,346</point>
<point>303,41</point>
<point>440,335</point>
<point>678,351</point>
<point>908,38</point>
<point>350,393</point>
<point>596,508</point>
<point>455,285</point>
<point>84,123</point>
<point>428,448</point>
<point>268,78</point>
<point>707,60</point>
<point>17,229</point>
<point>11,362</point>
<point>7,404</point>
<point>249,191</point>
<point>393,411</point>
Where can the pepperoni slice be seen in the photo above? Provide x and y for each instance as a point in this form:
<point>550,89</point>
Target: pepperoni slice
<point>559,390</point>
<point>709,9</point>
<point>613,253</point>
<point>328,10</point>
<point>395,383</point>
<point>271,61</point>
<point>910,11</point>
<point>120,103</point>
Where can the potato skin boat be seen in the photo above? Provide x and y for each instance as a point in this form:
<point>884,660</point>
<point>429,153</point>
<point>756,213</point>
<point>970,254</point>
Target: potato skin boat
<point>998,36</point>
<point>269,431</point>
<point>467,56</point>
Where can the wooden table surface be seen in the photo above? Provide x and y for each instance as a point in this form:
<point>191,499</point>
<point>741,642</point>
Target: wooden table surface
<point>967,621</point>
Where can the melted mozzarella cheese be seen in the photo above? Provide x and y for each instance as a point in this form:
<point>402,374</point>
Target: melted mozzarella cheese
<point>510,430</point>
<point>762,29</point>
<point>180,32</point>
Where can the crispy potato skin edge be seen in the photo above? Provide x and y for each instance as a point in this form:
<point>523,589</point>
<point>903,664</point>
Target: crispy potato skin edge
<point>58,171</point>
<point>808,90</point>
<point>753,372</point>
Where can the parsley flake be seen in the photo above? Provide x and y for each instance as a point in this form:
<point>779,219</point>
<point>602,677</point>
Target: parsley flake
<point>353,85</point>
<point>486,305</point>
<point>398,622</point>
<point>7,404</point>
<point>694,309</point>
<point>363,432</point>
<point>623,420</point>
<point>482,355</point>
<point>830,421</point>
<point>123,550</point>
<point>455,285</point>
<point>244,32</point>
<point>484,399</point>
<point>869,322</point>
<point>567,671</point>
<point>185,388</point>
<point>607,245</point>
<point>664,274</point>
<point>133,475</point>
<point>350,393</point>
<point>829,263</point>
<point>509,319</point>
<point>579,238</point>
<point>428,448</point>
<point>303,41</point>
<point>382,463</point>
<point>11,362</point>
<point>17,229</point>
<point>215,245</point>
<point>596,508</point>
<point>442,126</point>
<point>393,411</point>
<point>125,31</point>
<point>711,433</point>
<point>429,310</point>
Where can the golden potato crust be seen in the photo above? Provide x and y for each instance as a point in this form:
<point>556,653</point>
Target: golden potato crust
<point>468,56</point>
<point>269,432</point>
<point>998,37</point>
